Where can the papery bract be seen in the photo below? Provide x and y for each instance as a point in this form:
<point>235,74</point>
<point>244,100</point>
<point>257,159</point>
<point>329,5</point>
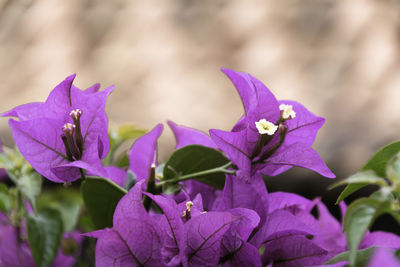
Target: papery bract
<point>40,131</point>
<point>276,153</point>
<point>143,153</point>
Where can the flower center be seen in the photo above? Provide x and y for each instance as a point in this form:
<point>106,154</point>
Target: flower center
<point>72,136</point>
<point>266,127</point>
<point>187,213</point>
<point>287,112</point>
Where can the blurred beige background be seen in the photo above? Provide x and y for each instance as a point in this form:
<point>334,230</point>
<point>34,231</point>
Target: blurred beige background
<point>339,58</point>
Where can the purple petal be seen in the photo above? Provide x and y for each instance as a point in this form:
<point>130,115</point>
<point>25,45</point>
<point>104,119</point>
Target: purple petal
<point>173,234</point>
<point>380,239</point>
<point>143,153</point>
<point>188,136</point>
<point>26,111</point>
<point>203,237</point>
<point>304,127</point>
<point>60,99</point>
<point>234,145</point>
<point>116,175</point>
<point>244,86</point>
<point>130,206</point>
<point>247,221</point>
<point>281,200</point>
<point>267,107</point>
<point>208,193</point>
<point>239,194</point>
<point>13,252</point>
<point>247,255</point>
<point>282,223</point>
<point>293,251</point>
<point>67,171</point>
<point>297,154</point>
<point>383,257</point>
<point>330,235</point>
<point>39,141</point>
<point>92,89</point>
<point>136,244</point>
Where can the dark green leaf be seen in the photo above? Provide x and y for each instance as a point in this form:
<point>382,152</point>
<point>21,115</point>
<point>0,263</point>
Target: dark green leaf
<point>362,257</point>
<point>44,235</point>
<point>359,216</point>
<point>358,181</point>
<point>195,158</point>
<point>397,254</point>
<point>379,160</point>
<point>101,196</point>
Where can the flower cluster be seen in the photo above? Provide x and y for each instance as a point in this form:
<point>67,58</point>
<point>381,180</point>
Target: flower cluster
<point>186,220</point>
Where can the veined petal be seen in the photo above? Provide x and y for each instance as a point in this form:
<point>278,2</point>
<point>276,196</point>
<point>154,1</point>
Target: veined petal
<point>297,154</point>
<point>304,127</point>
<point>234,145</point>
<point>143,153</point>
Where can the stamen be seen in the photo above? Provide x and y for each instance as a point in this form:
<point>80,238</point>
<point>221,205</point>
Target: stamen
<point>187,213</point>
<point>76,115</point>
<point>68,129</point>
<point>283,129</point>
<point>68,132</point>
<point>287,112</point>
<point>266,127</point>
<point>67,150</point>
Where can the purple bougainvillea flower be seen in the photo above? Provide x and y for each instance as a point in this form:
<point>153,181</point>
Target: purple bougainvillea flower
<point>66,133</point>
<point>383,257</point>
<point>273,135</point>
<point>143,153</point>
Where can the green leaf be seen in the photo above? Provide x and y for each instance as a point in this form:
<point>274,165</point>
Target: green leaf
<point>30,185</point>
<point>359,216</point>
<point>44,235</point>
<point>379,160</point>
<point>67,201</point>
<point>358,181</point>
<point>131,180</point>
<point>393,169</point>
<point>123,161</point>
<point>127,131</point>
<point>101,196</point>
<point>362,257</point>
<point>195,158</point>
<point>5,203</point>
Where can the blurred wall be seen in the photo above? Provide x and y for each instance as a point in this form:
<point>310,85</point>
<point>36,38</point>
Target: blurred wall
<point>339,58</point>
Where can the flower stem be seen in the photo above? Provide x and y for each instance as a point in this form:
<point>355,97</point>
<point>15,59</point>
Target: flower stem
<point>83,176</point>
<point>223,169</point>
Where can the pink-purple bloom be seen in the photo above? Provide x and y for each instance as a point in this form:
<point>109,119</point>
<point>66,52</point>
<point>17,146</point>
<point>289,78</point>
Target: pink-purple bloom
<point>64,134</point>
<point>272,136</point>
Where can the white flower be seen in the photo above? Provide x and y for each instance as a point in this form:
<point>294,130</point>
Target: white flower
<point>287,111</point>
<point>266,127</point>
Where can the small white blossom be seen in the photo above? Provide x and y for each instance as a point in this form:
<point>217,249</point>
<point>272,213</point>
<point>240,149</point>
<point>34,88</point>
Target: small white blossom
<point>266,127</point>
<point>287,111</point>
